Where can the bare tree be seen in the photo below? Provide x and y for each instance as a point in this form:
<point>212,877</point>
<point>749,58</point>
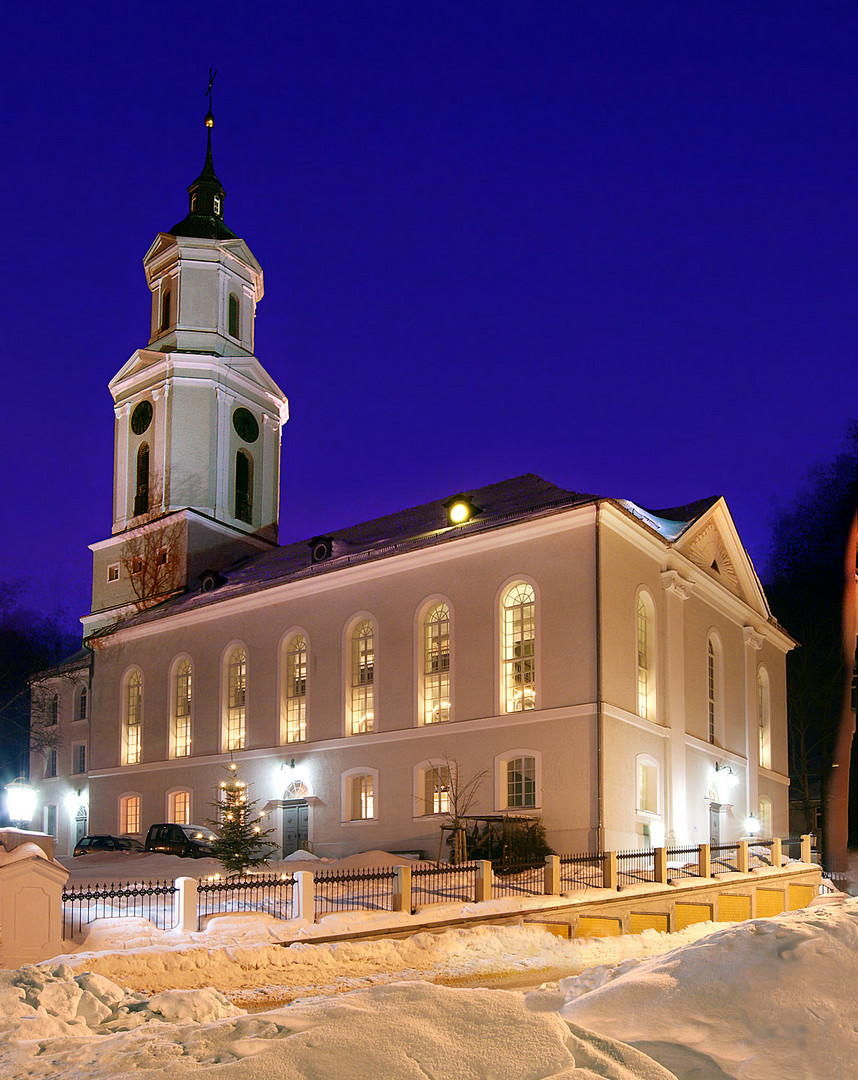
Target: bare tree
<point>457,795</point>
<point>151,554</point>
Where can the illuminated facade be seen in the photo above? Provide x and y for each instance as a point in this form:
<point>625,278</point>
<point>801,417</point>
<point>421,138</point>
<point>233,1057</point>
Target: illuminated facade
<point>613,670</point>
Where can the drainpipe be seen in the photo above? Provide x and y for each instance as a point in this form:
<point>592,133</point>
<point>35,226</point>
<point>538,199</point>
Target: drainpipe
<point>600,764</point>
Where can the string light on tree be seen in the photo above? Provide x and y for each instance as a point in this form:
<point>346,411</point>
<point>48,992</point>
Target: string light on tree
<point>241,841</point>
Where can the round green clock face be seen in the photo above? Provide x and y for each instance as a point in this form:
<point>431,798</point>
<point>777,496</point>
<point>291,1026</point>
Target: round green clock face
<point>245,425</point>
<point>141,418</point>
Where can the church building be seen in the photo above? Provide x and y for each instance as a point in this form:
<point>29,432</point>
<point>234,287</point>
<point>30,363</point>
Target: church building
<point>611,670</point>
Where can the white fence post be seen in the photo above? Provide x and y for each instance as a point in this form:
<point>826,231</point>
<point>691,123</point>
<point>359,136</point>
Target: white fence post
<point>806,841</point>
<point>185,904</point>
<point>304,896</point>
<point>483,889</point>
<point>552,875</point>
<point>31,910</point>
<point>742,860</point>
<point>777,852</point>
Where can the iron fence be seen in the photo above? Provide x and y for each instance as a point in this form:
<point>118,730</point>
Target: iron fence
<point>581,871</point>
<point>759,853</point>
<point>148,900</point>
<point>440,883</point>
<point>270,894</point>
<point>725,858</point>
<point>635,866</point>
<point>351,890</point>
<point>519,879</point>
<point>683,862</point>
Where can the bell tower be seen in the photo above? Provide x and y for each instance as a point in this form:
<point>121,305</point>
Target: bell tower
<point>197,418</point>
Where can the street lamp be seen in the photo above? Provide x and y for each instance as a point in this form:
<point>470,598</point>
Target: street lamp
<point>21,802</point>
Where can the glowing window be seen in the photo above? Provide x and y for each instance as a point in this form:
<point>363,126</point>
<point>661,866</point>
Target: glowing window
<point>180,807</point>
<point>436,789</point>
<point>714,703</point>
<point>236,700</point>
<point>764,719</point>
<point>361,797</point>
<point>647,786</point>
<point>645,659</point>
<point>436,665</point>
<point>182,697</point>
<point>518,609</point>
<point>133,708</point>
<point>129,814</point>
<point>296,689</point>
<point>362,678</point>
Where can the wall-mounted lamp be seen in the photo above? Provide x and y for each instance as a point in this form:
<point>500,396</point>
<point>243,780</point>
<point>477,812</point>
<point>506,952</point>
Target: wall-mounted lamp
<point>284,765</point>
<point>752,825</point>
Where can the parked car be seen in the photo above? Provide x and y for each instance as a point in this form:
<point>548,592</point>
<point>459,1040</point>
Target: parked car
<point>188,841</point>
<point>87,845</point>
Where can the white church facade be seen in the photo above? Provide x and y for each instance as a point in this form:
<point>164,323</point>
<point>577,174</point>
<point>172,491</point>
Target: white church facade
<point>611,670</point>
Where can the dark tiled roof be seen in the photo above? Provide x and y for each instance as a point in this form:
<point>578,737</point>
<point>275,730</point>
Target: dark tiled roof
<point>505,503</point>
<point>76,662</point>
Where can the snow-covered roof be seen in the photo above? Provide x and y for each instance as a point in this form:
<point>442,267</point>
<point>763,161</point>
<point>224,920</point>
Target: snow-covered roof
<point>509,502</point>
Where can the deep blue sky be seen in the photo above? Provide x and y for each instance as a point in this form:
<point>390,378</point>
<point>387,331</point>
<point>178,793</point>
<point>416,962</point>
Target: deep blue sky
<point>611,243</point>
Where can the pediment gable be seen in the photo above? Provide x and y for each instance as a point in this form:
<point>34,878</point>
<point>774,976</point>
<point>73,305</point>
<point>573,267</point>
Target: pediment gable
<point>712,543</point>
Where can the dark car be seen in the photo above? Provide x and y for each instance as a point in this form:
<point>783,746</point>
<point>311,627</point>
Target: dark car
<point>188,841</point>
<point>88,845</point>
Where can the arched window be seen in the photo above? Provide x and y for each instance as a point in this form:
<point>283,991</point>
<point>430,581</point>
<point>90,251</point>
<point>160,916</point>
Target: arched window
<point>362,689</point>
<point>243,487</point>
<point>359,795</point>
<point>764,719</point>
<point>433,788</point>
<point>715,689</point>
<point>645,640</point>
<point>81,703</point>
<point>765,817</point>
<point>166,298</point>
<point>236,680</point>
<point>518,780</point>
<point>141,491</point>
<point>133,719</point>
<point>295,689</point>
<point>233,315</point>
<point>647,785</point>
<point>182,698</point>
<point>180,807</point>
<point>54,713</point>
<point>436,665</point>
<point>129,814</point>
<point>518,648</point>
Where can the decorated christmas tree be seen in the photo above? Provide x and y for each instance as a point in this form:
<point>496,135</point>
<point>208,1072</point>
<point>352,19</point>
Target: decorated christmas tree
<point>242,840</point>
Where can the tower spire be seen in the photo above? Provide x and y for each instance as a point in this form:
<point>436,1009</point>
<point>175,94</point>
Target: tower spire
<point>206,195</point>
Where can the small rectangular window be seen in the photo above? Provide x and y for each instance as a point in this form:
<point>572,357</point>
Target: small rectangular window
<point>129,814</point>
<point>113,572</point>
<point>51,821</point>
<point>50,763</point>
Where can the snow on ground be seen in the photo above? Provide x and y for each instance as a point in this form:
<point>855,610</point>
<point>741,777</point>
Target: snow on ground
<point>752,1001</point>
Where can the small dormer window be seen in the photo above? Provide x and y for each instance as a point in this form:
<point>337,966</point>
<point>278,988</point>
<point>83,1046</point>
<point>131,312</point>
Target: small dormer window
<point>217,204</point>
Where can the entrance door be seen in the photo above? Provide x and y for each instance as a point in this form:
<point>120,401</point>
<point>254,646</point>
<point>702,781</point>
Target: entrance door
<point>714,824</point>
<point>80,823</point>
<point>295,826</point>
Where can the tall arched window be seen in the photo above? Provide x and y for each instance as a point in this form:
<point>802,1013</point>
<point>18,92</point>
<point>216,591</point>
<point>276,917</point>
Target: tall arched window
<point>243,487</point>
<point>362,678</point>
<point>180,807</point>
<point>236,689</point>
<point>81,704</point>
<point>715,689</point>
<point>133,719</point>
<point>764,719</point>
<point>233,315</point>
<point>766,826</point>
<point>129,814</point>
<point>645,640</point>
<point>436,665</point>
<point>518,648</point>
<point>166,297</point>
<point>182,696</point>
<point>141,491</point>
<point>295,689</point>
